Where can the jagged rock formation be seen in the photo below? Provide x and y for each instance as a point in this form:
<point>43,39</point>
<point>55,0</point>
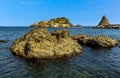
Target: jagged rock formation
<point>41,44</point>
<point>104,23</point>
<point>98,41</point>
<point>55,22</point>
<point>40,24</point>
<point>78,26</point>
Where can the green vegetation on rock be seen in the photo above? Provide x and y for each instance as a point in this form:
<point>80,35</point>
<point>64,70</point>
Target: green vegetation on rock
<point>55,22</point>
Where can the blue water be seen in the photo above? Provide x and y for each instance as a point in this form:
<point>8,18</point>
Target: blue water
<point>92,63</point>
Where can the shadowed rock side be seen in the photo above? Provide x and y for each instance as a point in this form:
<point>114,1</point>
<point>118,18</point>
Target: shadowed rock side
<point>41,44</point>
<point>98,41</point>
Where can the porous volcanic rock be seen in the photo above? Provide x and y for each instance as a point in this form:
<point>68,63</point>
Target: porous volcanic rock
<point>41,44</point>
<point>98,41</point>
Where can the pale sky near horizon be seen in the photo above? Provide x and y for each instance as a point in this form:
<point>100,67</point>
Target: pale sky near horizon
<point>84,12</point>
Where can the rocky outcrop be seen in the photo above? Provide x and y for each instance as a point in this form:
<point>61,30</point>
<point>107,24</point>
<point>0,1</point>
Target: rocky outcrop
<point>82,38</point>
<point>55,22</point>
<point>104,23</point>
<point>41,44</point>
<point>98,41</point>
<point>115,26</point>
<point>40,24</point>
<point>78,26</point>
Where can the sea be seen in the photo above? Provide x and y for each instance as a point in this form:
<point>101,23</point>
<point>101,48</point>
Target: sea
<point>92,63</point>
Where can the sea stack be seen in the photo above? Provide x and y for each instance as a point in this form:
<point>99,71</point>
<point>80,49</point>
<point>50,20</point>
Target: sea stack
<point>104,23</point>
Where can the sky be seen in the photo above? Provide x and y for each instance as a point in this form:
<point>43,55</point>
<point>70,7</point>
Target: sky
<point>84,12</point>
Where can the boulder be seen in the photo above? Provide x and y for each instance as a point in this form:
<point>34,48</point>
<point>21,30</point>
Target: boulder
<point>41,44</point>
<point>82,38</point>
<point>98,41</point>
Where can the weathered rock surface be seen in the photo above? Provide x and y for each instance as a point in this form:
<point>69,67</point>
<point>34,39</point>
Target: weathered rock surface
<point>82,38</point>
<point>99,41</point>
<point>41,44</point>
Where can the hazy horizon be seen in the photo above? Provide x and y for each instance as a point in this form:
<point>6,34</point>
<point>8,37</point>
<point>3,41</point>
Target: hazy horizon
<point>83,12</point>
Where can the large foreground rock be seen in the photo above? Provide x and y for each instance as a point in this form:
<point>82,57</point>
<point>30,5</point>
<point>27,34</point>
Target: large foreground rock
<point>99,41</point>
<point>39,43</point>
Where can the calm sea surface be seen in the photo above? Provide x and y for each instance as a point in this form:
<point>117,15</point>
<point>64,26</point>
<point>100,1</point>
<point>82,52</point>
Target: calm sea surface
<point>93,63</point>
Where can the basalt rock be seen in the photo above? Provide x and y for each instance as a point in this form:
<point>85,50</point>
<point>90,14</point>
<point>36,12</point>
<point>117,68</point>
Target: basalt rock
<point>98,41</point>
<point>41,44</point>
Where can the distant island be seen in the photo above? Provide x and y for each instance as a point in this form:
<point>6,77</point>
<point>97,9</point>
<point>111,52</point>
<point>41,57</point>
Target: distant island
<point>55,22</point>
<point>104,23</point>
<point>63,22</point>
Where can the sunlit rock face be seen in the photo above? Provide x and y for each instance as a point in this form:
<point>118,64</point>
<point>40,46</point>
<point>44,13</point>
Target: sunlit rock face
<point>98,41</point>
<point>41,44</point>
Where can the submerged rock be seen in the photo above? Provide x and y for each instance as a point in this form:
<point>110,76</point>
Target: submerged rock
<point>3,41</point>
<point>99,41</point>
<point>4,48</point>
<point>41,44</point>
